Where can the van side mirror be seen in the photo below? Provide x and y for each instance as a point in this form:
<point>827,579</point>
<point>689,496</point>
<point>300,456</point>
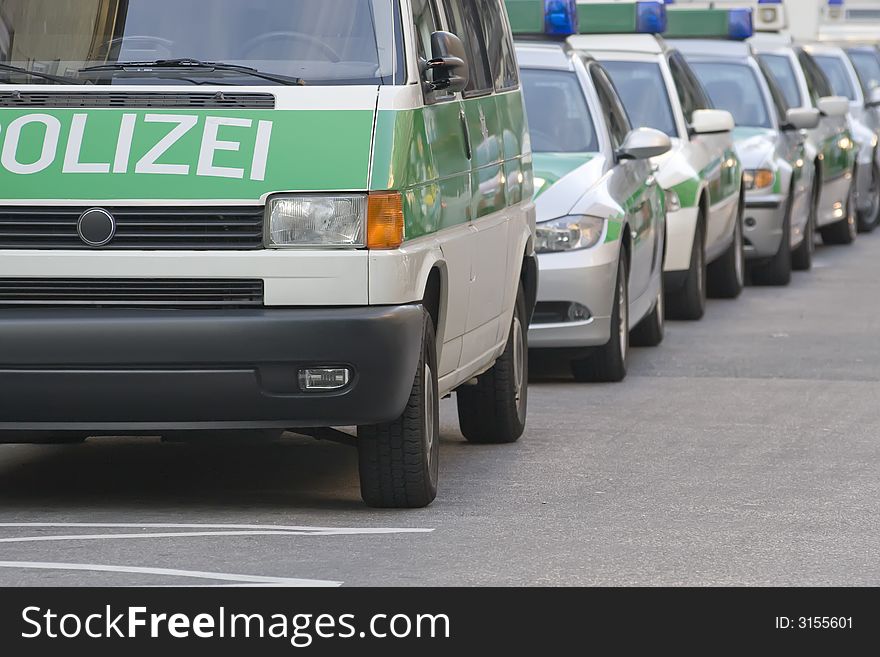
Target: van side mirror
<point>448,64</point>
<point>643,144</point>
<point>835,106</point>
<point>708,122</point>
<point>801,118</point>
<point>873,98</point>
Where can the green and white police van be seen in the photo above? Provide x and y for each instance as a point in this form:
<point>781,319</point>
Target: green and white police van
<point>702,174</point>
<point>601,228</point>
<point>262,215</point>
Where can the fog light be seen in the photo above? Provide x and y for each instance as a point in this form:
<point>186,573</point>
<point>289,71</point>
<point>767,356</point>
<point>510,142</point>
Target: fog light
<point>322,379</point>
<point>751,222</point>
<point>578,313</point>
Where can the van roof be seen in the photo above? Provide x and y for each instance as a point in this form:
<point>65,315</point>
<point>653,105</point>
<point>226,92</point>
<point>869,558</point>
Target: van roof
<point>639,43</point>
<point>542,54</point>
<point>714,47</point>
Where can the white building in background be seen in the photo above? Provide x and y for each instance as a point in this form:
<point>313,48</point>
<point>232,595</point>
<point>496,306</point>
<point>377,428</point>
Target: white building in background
<point>809,20</point>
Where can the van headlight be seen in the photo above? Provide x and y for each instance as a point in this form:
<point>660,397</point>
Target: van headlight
<point>568,234</point>
<point>316,221</point>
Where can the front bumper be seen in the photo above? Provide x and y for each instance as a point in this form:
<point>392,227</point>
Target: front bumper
<point>763,224</point>
<point>141,370</point>
<point>586,277</point>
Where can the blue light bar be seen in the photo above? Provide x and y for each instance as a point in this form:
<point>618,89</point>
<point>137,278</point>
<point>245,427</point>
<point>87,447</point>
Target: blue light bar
<point>560,17</point>
<point>740,24</point>
<point>650,17</point>
<point>835,3</point>
<point>769,2</point>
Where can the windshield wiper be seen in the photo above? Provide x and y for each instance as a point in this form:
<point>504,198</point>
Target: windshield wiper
<point>60,79</point>
<point>190,64</point>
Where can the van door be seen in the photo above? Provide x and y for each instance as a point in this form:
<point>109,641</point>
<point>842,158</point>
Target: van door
<point>451,174</point>
<point>487,209</point>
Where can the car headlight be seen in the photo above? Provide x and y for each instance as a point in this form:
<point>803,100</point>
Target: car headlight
<point>317,221</point>
<point>568,234</point>
<point>758,178</point>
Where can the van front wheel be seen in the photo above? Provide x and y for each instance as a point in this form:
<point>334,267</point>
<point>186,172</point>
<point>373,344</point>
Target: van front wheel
<point>398,460</point>
<point>493,410</point>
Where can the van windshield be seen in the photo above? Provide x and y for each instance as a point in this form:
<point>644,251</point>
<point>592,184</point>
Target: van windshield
<point>643,92</point>
<point>323,42</point>
<point>735,88</point>
<point>558,114</point>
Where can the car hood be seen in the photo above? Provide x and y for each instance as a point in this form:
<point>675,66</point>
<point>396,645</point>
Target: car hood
<point>561,179</point>
<point>755,147</point>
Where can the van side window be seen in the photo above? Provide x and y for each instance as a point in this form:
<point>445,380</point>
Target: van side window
<point>426,23</point>
<point>464,22</point>
<point>690,92</point>
<point>499,44</point>
<point>615,115</point>
<point>816,80</point>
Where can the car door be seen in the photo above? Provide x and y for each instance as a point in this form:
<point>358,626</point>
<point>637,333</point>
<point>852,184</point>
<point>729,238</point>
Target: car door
<point>450,181</point>
<point>489,219</point>
<point>720,164</point>
<point>634,187</point>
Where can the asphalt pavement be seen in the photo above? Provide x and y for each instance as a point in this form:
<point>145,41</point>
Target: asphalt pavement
<point>743,451</point>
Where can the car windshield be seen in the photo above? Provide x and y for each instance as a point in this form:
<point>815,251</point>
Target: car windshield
<point>559,117</point>
<point>835,70</point>
<point>320,41</point>
<point>643,92</point>
<point>783,72</point>
<point>734,87</point>
<point>868,66</point>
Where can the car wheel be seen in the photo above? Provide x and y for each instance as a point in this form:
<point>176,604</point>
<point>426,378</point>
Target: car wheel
<point>845,230</point>
<point>493,411</point>
<point>398,460</point>
<point>870,217</point>
<point>802,256</point>
<point>607,364</point>
<point>777,271</point>
<point>689,302</point>
<point>652,329</point>
<point>726,276</point>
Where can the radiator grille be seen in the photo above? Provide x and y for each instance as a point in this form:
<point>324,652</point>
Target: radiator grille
<point>136,228</point>
<point>130,293</point>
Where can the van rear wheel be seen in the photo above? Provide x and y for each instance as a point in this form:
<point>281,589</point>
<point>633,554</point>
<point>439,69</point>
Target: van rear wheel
<point>493,411</point>
<point>399,460</point>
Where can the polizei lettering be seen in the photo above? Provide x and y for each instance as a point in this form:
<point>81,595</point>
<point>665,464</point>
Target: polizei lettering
<point>145,144</point>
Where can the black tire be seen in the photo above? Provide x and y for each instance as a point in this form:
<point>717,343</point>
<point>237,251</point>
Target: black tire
<point>689,301</point>
<point>802,256</point>
<point>726,276</point>
<point>493,411</point>
<point>777,271</point>
<point>607,364</point>
<point>843,232</point>
<point>398,461</point>
<point>870,217</point>
<point>652,329</point>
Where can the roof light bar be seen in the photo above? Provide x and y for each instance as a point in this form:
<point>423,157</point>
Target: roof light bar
<point>557,18</point>
<point>622,17</point>
<point>736,24</point>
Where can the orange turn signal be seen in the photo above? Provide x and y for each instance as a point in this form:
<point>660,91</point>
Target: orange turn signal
<point>385,220</point>
<point>763,178</point>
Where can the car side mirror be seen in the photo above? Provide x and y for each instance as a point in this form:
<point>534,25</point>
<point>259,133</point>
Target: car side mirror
<point>801,118</point>
<point>643,144</point>
<point>708,122</point>
<point>448,66</point>
<point>873,98</point>
<point>834,106</point>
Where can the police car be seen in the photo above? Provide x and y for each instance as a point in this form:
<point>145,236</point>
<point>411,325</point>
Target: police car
<point>702,174</point>
<point>601,215</point>
<point>768,138</point>
<point>315,214</point>
<point>830,144</point>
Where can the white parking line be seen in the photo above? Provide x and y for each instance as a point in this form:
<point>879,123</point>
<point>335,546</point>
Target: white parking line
<point>252,580</point>
<point>297,530</point>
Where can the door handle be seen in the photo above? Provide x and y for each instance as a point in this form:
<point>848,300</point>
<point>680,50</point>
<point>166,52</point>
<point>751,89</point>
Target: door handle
<point>466,133</point>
